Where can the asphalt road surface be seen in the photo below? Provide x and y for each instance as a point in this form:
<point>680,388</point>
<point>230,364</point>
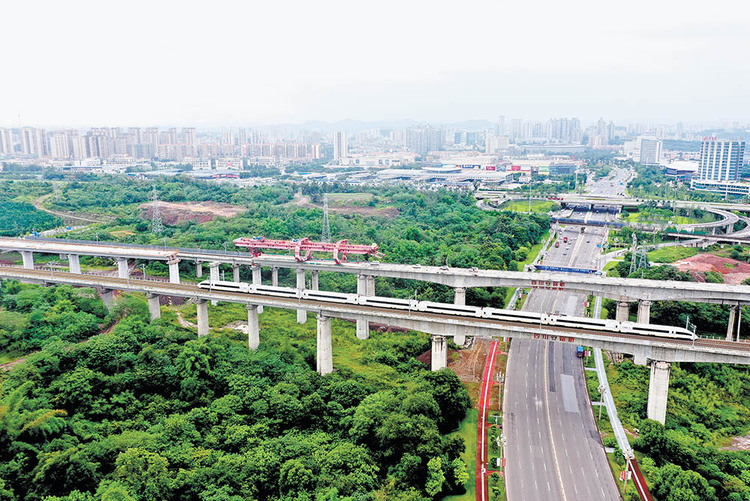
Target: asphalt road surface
<point>553,447</point>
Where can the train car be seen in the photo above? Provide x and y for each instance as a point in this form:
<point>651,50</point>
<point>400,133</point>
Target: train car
<point>450,309</point>
<point>656,330</point>
<point>224,286</point>
<point>388,302</point>
<point>528,317</point>
<point>270,290</point>
<point>582,323</point>
<point>333,297</point>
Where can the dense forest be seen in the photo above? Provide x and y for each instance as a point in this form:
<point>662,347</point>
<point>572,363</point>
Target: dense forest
<point>430,228</point>
<point>149,411</point>
<point>17,215</point>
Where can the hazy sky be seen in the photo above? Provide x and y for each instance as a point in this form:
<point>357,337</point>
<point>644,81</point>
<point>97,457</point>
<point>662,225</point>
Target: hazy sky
<point>157,62</point>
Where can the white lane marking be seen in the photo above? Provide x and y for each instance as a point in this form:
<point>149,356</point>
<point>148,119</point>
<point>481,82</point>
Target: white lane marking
<point>549,420</point>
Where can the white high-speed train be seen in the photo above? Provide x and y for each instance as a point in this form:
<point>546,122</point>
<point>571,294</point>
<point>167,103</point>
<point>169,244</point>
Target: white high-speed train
<point>451,309</point>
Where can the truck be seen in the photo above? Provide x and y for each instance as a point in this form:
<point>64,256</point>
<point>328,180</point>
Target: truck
<point>579,352</point>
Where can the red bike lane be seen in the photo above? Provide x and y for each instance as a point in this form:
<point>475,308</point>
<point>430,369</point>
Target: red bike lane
<point>484,400</point>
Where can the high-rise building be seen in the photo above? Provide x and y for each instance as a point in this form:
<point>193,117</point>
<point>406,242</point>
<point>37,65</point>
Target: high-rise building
<point>59,144</point>
<point>33,142</point>
<point>6,142</point>
<point>650,150</point>
<point>720,160</point>
<point>340,146</point>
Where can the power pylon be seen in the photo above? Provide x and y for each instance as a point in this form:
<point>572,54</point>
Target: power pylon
<point>157,226</point>
<point>326,236</point>
<point>634,255</point>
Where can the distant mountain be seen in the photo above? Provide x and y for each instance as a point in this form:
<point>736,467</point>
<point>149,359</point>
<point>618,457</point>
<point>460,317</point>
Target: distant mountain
<point>359,125</point>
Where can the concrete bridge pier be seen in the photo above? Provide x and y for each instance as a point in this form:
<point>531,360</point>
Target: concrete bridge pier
<point>363,326</point>
<point>439,353</point>
<point>199,269</point>
<point>202,308</point>
<point>253,334</point>
<point>154,308</point>
<point>735,319</point>
<point>28,259</point>
<point>213,272</point>
<point>459,296</point>
<point>315,281</point>
<point>644,311</point>
<point>370,285</point>
<point>213,277</point>
<point>174,271</point>
<point>257,280</point>
<point>623,309</point>
<point>275,276</point>
<point>658,390</point>
<point>236,273</point>
<point>301,314</point>
<point>324,346</point>
<point>122,267</point>
<point>74,263</point>
<point>108,297</point>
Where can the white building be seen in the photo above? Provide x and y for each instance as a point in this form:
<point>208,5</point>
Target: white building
<point>649,151</point>
<point>720,160</point>
<point>59,145</point>
<point>340,146</point>
<point>228,164</point>
<point>6,142</point>
<point>33,142</point>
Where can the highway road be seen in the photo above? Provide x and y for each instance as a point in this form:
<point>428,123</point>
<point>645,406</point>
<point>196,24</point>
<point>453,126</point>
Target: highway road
<point>553,447</point>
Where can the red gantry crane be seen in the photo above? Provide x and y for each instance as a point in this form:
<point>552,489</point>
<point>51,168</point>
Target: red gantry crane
<point>303,248</point>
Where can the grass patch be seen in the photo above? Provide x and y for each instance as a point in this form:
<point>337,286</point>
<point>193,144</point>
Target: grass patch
<point>468,431</point>
<point>523,206</point>
<point>671,254</point>
<point>534,251</point>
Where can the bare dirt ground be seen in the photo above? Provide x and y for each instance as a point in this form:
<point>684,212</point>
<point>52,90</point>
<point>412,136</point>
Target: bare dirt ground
<point>734,271</point>
<point>202,212</point>
<point>738,444</point>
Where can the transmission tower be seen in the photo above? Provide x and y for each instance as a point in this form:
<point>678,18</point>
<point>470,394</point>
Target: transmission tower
<point>156,223</point>
<point>326,236</point>
<point>634,255</point>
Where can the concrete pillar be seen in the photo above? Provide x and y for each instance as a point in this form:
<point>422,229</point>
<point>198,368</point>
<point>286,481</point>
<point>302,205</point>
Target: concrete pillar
<point>202,307</point>
<point>213,272</point>
<point>733,328</point>
<point>154,308</point>
<point>28,259</point>
<point>658,389</point>
<point>301,314</point>
<point>315,282</point>
<point>257,280</point>
<point>363,326</point>
<point>459,339</point>
<point>236,273</point>
<point>459,296</point>
<point>439,353</point>
<point>275,276</point>
<point>324,347</point>
<point>174,271</point>
<point>108,297</point>
<point>623,308</point>
<point>198,269</point>
<point>253,334</point>
<point>74,263</point>
<point>370,285</point>
<point>122,267</point>
<point>644,311</point>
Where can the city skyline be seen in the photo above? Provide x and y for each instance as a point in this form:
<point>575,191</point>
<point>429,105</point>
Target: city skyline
<point>179,64</point>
